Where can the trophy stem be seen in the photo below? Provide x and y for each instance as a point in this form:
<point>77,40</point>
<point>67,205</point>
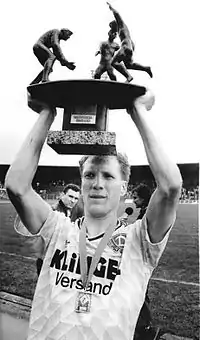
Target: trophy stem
<point>92,117</point>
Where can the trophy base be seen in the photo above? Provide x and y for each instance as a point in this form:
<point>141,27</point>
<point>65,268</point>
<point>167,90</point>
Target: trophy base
<point>82,142</point>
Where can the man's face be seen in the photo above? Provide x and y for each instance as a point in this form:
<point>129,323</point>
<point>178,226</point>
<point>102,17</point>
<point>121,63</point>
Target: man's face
<point>137,200</point>
<point>102,186</point>
<point>70,198</point>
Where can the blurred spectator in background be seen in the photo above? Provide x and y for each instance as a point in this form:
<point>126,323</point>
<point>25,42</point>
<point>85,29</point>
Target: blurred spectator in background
<point>196,193</point>
<point>68,199</point>
<point>189,195</point>
<point>141,196</point>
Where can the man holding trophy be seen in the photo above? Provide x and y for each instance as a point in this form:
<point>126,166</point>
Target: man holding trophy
<point>104,302</point>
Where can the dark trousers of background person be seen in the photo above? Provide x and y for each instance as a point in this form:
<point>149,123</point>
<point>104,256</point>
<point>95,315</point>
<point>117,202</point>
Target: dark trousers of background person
<point>144,321</point>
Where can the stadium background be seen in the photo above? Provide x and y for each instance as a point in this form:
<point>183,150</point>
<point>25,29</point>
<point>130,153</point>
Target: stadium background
<point>49,180</point>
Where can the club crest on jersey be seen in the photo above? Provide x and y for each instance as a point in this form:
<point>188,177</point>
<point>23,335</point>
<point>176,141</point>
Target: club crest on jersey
<point>117,242</point>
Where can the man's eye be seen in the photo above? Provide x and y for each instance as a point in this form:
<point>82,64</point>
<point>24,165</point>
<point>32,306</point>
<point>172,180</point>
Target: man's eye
<point>89,175</point>
<point>107,175</point>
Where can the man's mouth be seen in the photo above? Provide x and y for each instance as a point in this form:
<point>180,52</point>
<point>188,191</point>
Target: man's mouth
<point>97,196</point>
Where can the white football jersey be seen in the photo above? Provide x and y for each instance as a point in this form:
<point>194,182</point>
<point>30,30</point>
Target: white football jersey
<point>117,288</point>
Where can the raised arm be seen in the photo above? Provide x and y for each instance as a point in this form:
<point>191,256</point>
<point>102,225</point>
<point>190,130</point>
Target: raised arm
<point>32,209</point>
<point>118,18</point>
<point>162,207</point>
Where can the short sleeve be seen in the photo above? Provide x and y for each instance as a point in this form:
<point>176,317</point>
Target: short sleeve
<point>40,241</point>
<point>151,252</point>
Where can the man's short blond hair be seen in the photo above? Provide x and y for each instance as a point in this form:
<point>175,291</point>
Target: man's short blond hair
<point>121,158</point>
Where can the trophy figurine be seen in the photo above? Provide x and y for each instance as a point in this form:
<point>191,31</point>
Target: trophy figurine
<point>86,102</point>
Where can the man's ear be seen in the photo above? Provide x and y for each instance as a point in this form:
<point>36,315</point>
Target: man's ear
<point>124,186</point>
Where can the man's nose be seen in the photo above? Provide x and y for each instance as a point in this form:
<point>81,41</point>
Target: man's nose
<point>98,182</point>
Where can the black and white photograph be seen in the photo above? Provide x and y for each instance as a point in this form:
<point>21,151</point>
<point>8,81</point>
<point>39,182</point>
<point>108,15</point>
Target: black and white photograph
<point>99,170</point>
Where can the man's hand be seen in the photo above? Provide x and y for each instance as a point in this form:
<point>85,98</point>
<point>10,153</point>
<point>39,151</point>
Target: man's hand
<point>146,101</point>
<point>38,106</point>
<point>69,65</point>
